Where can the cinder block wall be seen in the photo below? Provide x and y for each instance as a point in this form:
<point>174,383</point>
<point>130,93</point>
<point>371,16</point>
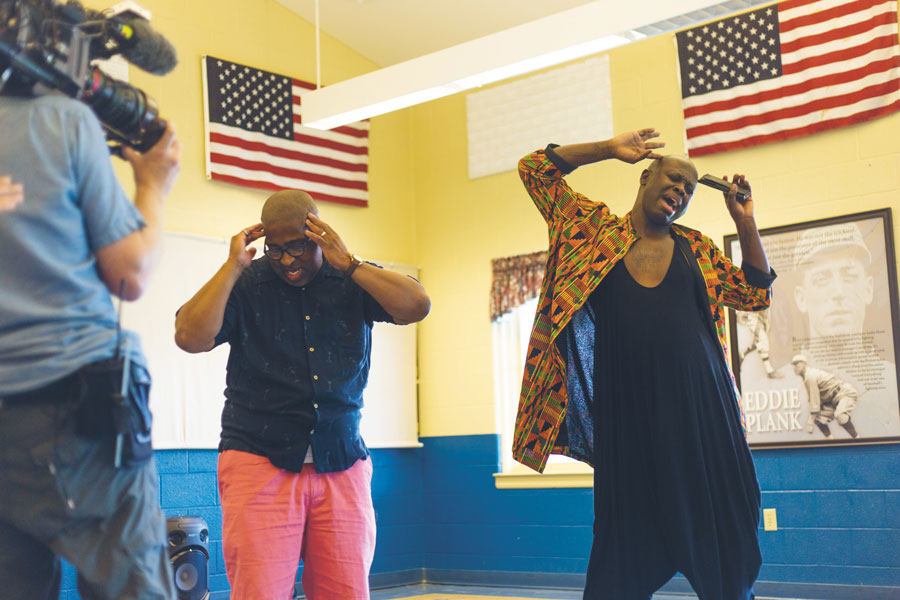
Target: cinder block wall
<point>188,487</point>
<point>441,517</point>
<point>838,512</point>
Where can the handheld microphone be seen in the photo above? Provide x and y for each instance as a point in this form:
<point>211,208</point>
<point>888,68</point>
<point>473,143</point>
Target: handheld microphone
<point>724,186</point>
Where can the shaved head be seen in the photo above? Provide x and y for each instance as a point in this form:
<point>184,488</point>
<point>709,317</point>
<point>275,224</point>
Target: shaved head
<point>287,205</point>
<point>658,162</point>
<point>667,185</point>
<point>284,220</point>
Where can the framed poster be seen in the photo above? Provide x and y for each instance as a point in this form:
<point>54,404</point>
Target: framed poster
<point>819,366</point>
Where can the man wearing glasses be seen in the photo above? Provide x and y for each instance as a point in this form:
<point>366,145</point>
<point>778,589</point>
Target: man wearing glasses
<point>294,474</point>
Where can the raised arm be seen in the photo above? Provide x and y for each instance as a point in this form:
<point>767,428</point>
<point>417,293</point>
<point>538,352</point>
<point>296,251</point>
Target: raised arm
<point>132,258</point>
<point>752,251</point>
<point>630,147</point>
<point>200,319</point>
<point>542,171</point>
<point>402,297</point>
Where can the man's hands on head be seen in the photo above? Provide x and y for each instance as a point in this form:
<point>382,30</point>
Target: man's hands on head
<point>11,194</point>
<point>634,146</point>
<point>333,248</point>
<point>198,322</point>
<point>402,297</point>
<point>240,251</point>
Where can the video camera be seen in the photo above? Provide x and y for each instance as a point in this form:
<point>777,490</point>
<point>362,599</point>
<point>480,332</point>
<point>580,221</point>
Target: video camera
<point>48,46</point>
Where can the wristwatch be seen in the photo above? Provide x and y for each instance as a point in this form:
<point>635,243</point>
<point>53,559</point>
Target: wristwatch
<point>355,261</point>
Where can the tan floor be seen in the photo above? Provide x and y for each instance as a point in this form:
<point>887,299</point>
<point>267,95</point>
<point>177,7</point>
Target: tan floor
<point>472,592</point>
<point>465,597</point>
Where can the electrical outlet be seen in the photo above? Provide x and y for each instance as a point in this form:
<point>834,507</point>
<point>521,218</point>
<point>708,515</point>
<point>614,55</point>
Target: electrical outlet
<point>770,520</point>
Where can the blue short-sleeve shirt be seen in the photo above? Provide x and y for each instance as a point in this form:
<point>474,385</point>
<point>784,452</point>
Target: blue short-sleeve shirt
<point>298,364</point>
<point>56,314</point>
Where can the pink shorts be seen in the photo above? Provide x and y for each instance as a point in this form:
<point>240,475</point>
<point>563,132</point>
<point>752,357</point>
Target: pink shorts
<point>272,518</point>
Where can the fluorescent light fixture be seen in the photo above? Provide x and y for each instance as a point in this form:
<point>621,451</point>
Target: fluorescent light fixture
<point>405,100</point>
<point>565,36</point>
<point>539,62</point>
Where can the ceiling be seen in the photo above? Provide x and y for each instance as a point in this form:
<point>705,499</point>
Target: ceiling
<point>388,32</point>
<point>392,31</point>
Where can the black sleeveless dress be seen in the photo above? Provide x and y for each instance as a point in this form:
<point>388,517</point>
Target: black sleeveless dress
<point>674,483</point>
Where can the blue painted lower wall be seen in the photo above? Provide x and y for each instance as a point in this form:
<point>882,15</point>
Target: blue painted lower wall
<point>440,516</point>
<point>838,517</point>
<point>188,487</point>
<point>472,526</point>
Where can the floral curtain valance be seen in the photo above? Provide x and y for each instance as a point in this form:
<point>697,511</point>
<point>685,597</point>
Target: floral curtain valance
<point>516,279</point>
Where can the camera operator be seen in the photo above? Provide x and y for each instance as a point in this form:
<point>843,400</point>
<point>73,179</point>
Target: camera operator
<point>74,241</point>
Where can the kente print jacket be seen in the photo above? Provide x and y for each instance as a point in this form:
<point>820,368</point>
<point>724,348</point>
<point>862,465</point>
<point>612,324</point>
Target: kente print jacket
<point>586,241</point>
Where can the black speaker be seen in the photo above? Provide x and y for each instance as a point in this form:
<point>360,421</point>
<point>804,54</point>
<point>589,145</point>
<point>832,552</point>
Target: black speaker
<point>189,554</point>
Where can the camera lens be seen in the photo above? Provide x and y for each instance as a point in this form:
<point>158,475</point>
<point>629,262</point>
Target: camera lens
<point>124,110</point>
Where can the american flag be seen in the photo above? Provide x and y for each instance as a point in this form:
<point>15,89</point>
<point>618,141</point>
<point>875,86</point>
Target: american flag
<point>788,70</point>
<point>254,137</point>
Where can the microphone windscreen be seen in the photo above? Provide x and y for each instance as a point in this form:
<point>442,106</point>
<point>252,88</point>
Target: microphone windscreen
<point>149,50</point>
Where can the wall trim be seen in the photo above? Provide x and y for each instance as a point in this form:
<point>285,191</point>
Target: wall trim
<point>378,581</point>
<point>764,590</point>
<point>509,481</point>
<point>566,581</point>
<point>824,591</point>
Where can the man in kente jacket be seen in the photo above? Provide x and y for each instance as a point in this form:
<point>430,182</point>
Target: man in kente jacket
<point>627,370</point>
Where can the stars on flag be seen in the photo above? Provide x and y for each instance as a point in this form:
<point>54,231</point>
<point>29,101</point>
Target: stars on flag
<point>730,52</point>
<point>252,99</point>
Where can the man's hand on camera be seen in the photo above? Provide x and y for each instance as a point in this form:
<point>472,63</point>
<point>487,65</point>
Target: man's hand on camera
<point>157,168</point>
<point>11,194</point>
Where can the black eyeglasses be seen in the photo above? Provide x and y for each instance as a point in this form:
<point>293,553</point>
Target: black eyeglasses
<point>295,249</point>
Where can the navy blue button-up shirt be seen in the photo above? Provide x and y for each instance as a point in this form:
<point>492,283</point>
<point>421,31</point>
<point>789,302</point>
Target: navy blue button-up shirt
<point>298,364</point>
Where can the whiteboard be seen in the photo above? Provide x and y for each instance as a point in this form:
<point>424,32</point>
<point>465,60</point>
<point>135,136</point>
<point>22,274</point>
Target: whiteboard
<point>187,394</point>
<point>390,415</point>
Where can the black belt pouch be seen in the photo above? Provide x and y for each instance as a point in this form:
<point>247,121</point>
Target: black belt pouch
<point>105,410</point>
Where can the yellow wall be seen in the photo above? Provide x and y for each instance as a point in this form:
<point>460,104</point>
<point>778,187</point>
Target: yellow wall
<point>264,34</point>
<point>462,224</point>
<point>424,209</point>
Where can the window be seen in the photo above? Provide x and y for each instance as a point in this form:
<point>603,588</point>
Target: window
<point>510,335</point>
<point>510,338</point>
<point>514,291</point>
